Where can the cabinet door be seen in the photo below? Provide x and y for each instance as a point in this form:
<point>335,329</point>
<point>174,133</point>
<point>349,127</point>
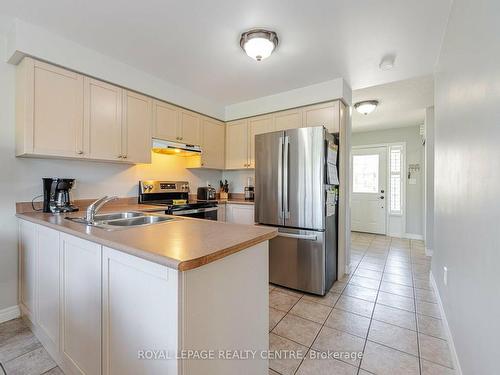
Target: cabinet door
<point>212,145</point>
<point>27,268</point>
<point>48,286</point>
<point>258,125</point>
<point>237,145</point>
<point>190,128</point>
<point>291,119</point>
<point>165,121</point>
<point>103,120</point>
<point>140,312</point>
<point>326,114</point>
<point>55,111</point>
<point>221,212</point>
<point>240,214</point>
<point>81,305</point>
<point>137,123</point>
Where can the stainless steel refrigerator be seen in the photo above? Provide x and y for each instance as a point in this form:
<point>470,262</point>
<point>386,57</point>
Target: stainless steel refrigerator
<point>296,182</point>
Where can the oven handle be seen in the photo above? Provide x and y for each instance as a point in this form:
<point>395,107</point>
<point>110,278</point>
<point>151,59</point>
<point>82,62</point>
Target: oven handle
<point>195,211</point>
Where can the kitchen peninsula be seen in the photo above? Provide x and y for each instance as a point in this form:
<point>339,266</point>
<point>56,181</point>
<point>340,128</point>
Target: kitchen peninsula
<point>131,301</point>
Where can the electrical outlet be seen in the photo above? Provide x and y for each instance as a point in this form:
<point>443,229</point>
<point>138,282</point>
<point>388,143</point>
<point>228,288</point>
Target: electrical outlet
<point>445,276</point>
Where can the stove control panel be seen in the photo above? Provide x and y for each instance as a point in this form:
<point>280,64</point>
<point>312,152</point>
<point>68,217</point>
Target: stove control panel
<point>154,187</point>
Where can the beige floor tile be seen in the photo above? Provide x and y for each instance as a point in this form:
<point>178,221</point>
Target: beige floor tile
<point>364,372</point>
<point>398,271</point>
<point>328,299</point>
<point>399,264</point>
<point>348,322</point>
<point>282,301</point>
<point>391,315</point>
<point>271,288</point>
<point>431,326</point>
<point>401,290</point>
<point>330,339</point>
<point>11,328</point>
<point>297,329</point>
<point>396,337</point>
<point>35,362</point>
<point>371,266</point>
<point>397,279</point>
<point>369,274</point>
<point>423,284</point>
<point>360,292</point>
<point>285,364</point>
<point>435,350</point>
<point>381,360</point>
<point>373,260</point>
<point>290,292</point>
<point>429,368</point>
<point>393,300</point>
<point>338,286</point>
<point>274,317</point>
<point>311,310</point>
<point>54,371</point>
<point>429,309</point>
<point>355,305</point>
<point>328,366</point>
<point>365,282</point>
<point>271,372</point>
<point>23,342</point>
<point>425,295</point>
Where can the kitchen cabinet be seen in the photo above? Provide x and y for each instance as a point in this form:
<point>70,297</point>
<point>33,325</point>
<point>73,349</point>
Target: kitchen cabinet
<point>257,125</point>
<point>166,121</point>
<point>139,313</point>
<point>237,145</point>
<point>49,110</point>
<point>291,119</point>
<point>27,268</point>
<point>103,120</point>
<point>212,143</point>
<point>48,286</point>
<point>221,212</point>
<point>326,114</point>
<point>240,213</point>
<point>136,130</point>
<point>81,304</point>
<point>189,130</point>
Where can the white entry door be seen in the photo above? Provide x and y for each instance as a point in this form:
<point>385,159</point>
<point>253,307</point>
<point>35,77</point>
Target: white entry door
<point>368,208</point>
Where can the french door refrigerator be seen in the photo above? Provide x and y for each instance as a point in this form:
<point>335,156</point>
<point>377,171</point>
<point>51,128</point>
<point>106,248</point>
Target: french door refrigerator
<point>295,190</point>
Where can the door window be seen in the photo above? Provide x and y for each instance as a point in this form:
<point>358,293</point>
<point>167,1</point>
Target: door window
<point>365,169</point>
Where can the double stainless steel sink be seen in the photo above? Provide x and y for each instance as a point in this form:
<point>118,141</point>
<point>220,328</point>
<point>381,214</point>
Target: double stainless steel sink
<point>122,220</point>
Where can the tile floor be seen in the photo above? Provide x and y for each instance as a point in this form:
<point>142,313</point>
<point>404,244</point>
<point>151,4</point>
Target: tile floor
<point>386,310</point>
<point>21,353</point>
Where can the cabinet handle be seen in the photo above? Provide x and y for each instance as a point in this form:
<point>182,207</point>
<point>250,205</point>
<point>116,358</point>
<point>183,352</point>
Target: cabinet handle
<point>124,156</point>
<point>80,152</point>
<point>119,156</point>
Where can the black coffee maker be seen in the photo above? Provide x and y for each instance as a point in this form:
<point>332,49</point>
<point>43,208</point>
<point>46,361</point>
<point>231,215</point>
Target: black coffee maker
<point>56,195</point>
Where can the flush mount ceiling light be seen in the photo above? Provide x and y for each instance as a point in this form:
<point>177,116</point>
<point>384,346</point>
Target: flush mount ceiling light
<point>387,62</point>
<point>366,107</point>
<point>259,43</point>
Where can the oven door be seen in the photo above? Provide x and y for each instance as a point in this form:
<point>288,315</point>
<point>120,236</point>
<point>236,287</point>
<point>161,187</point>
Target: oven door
<point>208,213</point>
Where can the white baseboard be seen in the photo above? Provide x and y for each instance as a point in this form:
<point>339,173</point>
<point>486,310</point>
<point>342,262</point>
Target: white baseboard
<point>446,327</point>
<point>428,252</point>
<point>413,236</point>
<point>9,313</point>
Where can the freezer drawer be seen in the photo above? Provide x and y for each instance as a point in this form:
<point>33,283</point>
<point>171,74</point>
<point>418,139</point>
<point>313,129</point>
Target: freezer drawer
<point>297,260</point>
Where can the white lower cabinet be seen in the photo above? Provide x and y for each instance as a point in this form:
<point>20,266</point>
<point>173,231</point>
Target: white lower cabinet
<point>240,213</point>
<point>81,305</point>
<point>27,268</point>
<point>139,315</point>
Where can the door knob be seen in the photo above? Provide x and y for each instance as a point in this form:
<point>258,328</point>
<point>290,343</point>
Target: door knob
<point>382,191</point>
<point>381,197</point>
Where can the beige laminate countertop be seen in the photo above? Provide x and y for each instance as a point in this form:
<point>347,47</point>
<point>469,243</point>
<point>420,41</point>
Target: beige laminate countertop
<point>182,244</point>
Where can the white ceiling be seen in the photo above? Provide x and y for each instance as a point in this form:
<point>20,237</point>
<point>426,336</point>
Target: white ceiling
<point>401,104</point>
<point>194,43</point>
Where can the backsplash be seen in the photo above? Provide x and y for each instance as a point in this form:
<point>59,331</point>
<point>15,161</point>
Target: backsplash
<point>238,179</point>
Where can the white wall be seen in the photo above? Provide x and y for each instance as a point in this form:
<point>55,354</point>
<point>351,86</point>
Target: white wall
<point>414,153</point>
<point>467,182</point>
<point>429,180</point>
<point>20,180</point>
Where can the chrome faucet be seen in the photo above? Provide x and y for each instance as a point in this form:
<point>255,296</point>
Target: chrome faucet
<point>96,206</point>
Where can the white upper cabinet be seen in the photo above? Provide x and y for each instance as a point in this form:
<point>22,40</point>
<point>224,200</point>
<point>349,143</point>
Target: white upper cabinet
<point>257,125</point>
<point>326,114</point>
<point>237,145</point>
<point>190,128</point>
<point>49,110</point>
<point>136,131</point>
<point>103,120</point>
<point>291,119</point>
<point>166,121</point>
<point>212,143</point>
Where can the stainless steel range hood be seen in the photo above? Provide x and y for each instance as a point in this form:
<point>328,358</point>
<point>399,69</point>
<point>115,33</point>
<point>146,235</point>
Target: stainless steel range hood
<point>161,146</point>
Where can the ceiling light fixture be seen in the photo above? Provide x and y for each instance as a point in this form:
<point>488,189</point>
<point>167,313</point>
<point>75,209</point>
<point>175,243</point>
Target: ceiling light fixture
<point>366,107</point>
<point>259,43</point>
<point>387,62</point>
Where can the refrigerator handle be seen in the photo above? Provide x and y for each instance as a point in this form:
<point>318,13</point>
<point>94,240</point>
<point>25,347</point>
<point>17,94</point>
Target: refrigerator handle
<point>285,177</point>
<point>308,237</point>
<point>280,180</point>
